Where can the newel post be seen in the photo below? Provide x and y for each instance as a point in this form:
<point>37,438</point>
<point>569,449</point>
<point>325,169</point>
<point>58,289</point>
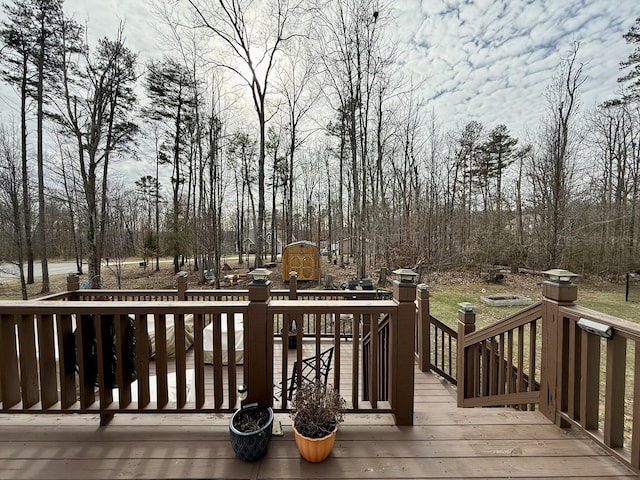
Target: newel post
<point>73,284</point>
<point>403,334</point>
<point>465,365</point>
<point>557,291</point>
<point>424,328</point>
<point>181,283</point>
<point>258,341</point>
<point>293,285</point>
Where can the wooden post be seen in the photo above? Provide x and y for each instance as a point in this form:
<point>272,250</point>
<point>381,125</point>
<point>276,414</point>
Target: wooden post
<point>73,282</point>
<point>293,285</point>
<point>614,392</point>
<point>258,345</point>
<point>73,285</point>
<point>465,365</point>
<point>554,357</point>
<point>424,329</point>
<point>403,331</point>
<point>181,282</point>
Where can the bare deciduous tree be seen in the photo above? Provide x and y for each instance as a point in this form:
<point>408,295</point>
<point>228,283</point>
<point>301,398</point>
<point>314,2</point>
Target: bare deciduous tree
<point>233,22</point>
<point>553,169</point>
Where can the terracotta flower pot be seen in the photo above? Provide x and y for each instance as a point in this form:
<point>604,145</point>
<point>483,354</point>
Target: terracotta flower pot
<point>315,449</point>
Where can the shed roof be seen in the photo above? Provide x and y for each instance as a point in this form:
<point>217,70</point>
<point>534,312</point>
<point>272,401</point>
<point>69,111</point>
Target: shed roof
<point>302,242</point>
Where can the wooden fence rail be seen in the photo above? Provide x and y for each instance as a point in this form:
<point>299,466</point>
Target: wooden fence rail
<point>89,351</point>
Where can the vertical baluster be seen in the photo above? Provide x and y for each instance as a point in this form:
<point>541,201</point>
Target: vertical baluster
<point>374,363</point>
<point>532,359</point>
<point>142,360</point>
<point>510,373</point>
<point>502,366</point>
<point>198,359</point>
<point>123,371</point>
<point>355,358</point>
<point>337,332</point>
<point>68,355</point>
<point>442,349</point>
<point>161,360</point>
<point>87,358</point>
<point>635,428</point>
<point>520,383</point>
<point>9,370</point>
<point>28,362</point>
<point>47,361</point>
<point>180,360</point>
<point>575,343</point>
<point>493,367</point>
<point>231,357</point>
<point>105,351</point>
<point>614,391</point>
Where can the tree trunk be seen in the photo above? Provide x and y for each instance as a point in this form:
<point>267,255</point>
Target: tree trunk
<point>41,200</point>
<point>26,196</point>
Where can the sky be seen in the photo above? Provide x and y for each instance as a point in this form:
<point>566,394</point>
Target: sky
<point>484,60</point>
<point>491,60</point>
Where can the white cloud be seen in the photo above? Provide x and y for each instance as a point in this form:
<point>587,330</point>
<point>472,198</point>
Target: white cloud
<point>491,60</point>
<point>488,60</point>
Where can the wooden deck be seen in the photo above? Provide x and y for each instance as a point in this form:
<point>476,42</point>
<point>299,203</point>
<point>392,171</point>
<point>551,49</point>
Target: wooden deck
<point>446,442</point>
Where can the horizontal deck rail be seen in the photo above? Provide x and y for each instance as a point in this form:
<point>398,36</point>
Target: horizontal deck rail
<point>307,325</point>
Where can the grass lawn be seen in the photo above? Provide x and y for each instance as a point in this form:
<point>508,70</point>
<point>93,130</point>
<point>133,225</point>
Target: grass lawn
<point>603,297</point>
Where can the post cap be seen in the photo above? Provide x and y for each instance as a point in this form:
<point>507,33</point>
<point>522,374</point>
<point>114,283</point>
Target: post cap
<point>259,275</point>
<point>466,307</point>
<point>558,275</point>
<point>405,275</point>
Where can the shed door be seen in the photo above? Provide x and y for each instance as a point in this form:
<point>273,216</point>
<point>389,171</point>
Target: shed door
<point>304,264</point>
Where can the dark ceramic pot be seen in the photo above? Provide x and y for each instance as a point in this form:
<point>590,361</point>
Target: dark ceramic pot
<point>250,446</point>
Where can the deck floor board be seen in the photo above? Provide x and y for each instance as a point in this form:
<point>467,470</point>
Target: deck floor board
<point>445,443</point>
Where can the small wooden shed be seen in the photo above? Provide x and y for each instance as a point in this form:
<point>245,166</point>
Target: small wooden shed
<point>302,257</point>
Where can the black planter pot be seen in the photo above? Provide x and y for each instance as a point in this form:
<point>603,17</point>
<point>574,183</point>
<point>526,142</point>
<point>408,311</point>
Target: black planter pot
<point>293,340</point>
<point>250,446</point>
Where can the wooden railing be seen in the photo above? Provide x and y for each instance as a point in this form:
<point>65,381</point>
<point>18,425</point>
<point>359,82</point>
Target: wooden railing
<point>57,356</point>
<point>544,357</point>
<point>306,324</point>
<point>375,361</point>
<point>598,381</point>
<point>538,358</point>
<point>361,371</point>
<point>50,362</point>
<point>499,363</point>
<point>436,342</point>
<point>444,345</point>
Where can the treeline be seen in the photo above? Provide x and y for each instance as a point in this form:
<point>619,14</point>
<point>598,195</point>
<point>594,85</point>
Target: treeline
<point>262,123</point>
